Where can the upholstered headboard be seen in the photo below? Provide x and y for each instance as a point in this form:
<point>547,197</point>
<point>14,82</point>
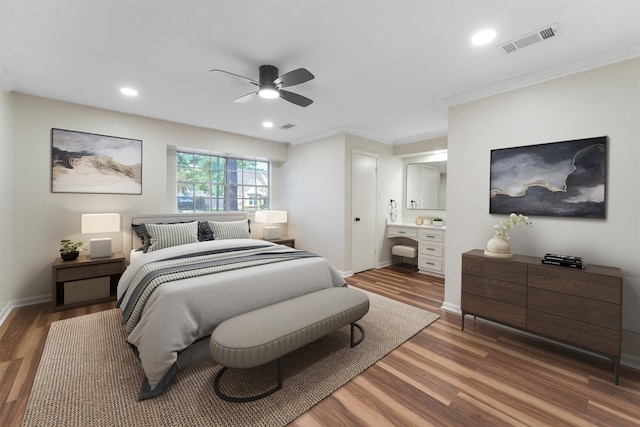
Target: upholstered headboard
<point>130,240</point>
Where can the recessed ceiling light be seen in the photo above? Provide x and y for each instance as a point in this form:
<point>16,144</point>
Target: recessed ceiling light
<point>483,37</point>
<point>128,91</point>
<point>267,124</point>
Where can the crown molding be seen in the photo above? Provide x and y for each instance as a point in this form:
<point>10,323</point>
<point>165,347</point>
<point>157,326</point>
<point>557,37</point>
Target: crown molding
<point>334,132</point>
<point>422,137</point>
<point>573,67</point>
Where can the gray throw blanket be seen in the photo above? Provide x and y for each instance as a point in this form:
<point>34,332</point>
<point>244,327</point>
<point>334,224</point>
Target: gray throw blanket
<point>154,274</point>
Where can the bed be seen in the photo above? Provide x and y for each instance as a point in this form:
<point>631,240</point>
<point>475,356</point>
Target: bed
<point>174,295</point>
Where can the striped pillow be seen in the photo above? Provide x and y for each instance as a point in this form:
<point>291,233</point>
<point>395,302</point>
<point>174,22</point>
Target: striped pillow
<point>167,235</point>
<point>230,229</point>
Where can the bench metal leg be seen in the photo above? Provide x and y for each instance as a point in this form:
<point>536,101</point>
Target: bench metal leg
<point>353,342</point>
<point>223,396</point>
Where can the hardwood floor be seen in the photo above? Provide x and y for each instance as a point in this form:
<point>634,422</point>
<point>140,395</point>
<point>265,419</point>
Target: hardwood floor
<point>486,375</point>
<point>22,338</point>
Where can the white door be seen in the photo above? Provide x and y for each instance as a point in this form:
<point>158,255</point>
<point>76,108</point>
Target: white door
<point>363,209</point>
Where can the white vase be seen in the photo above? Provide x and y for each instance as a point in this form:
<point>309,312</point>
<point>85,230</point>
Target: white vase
<point>499,248</point>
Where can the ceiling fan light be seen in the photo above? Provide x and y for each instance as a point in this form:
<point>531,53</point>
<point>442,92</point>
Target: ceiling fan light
<point>269,93</point>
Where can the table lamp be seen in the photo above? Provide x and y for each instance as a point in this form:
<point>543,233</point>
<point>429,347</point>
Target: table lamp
<point>98,224</point>
<point>271,217</point>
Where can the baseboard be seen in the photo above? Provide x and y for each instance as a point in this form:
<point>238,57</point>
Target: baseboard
<point>22,302</point>
<point>346,273</point>
<point>630,361</point>
<point>451,307</point>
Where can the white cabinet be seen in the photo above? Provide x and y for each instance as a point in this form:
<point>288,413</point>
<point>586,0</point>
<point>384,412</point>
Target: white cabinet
<point>430,245</point>
<point>402,231</point>
<point>431,251</point>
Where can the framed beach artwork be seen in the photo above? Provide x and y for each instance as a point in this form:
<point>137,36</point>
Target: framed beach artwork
<point>91,163</point>
<point>563,179</point>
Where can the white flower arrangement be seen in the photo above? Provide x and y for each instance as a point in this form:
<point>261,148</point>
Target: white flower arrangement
<point>501,230</point>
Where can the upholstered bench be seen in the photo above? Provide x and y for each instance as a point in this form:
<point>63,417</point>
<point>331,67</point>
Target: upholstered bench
<point>266,334</point>
<point>404,251</point>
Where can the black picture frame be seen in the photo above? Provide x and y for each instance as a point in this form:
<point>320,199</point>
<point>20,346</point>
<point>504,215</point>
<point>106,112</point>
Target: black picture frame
<point>561,179</point>
<point>91,163</point>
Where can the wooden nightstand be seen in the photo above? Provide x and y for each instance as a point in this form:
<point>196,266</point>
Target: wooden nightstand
<point>85,281</point>
<point>284,241</point>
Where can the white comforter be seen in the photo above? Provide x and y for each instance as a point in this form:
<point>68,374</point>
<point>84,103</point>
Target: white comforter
<point>181,312</point>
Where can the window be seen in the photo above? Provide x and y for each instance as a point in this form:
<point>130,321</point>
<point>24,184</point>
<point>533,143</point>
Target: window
<point>207,183</point>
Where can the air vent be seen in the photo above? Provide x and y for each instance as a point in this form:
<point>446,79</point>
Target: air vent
<point>542,34</point>
<point>287,126</point>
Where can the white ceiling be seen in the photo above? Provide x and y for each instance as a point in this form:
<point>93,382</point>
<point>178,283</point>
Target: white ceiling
<point>386,70</point>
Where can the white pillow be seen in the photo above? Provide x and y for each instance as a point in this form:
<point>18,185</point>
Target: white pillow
<point>230,229</point>
<point>167,235</point>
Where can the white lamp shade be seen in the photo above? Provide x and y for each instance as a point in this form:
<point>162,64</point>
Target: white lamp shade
<point>271,217</point>
<point>100,223</point>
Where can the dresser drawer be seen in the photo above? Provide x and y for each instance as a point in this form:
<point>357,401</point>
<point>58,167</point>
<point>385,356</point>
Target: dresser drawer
<point>495,290</point>
<point>402,232</point>
<point>431,235</point>
<point>431,249</point>
<point>580,308</point>
<point>494,268</point>
<point>585,335</point>
<point>576,282</point>
<point>430,263</point>
<point>497,311</point>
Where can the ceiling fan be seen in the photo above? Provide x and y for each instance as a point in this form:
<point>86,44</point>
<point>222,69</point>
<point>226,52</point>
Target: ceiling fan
<point>270,85</point>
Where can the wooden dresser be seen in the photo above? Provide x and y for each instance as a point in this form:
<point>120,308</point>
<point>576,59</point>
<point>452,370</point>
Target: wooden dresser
<point>582,308</point>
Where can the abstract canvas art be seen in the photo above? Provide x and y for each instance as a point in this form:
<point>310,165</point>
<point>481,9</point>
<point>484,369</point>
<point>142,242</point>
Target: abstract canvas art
<point>565,179</point>
<point>91,163</point>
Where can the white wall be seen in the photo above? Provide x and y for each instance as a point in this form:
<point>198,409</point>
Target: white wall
<point>42,218</point>
<point>6,180</point>
<point>317,181</point>
<point>314,183</point>
<point>603,101</point>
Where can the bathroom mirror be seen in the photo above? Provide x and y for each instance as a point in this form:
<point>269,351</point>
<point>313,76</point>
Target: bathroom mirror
<point>426,185</point>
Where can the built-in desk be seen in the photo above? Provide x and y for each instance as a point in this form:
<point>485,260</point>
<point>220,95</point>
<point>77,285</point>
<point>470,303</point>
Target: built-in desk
<point>430,244</point>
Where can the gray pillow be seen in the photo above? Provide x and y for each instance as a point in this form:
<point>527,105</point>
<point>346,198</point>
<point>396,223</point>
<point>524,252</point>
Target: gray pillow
<point>167,235</point>
<point>230,229</point>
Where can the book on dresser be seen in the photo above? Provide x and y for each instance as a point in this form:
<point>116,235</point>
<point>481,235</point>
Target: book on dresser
<point>564,260</point>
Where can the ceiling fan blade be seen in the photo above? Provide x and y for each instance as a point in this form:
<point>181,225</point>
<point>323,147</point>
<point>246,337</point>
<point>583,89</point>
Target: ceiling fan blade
<point>236,76</point>
<point>295,98</point>
<point>246,98</point>
<point>294,77</point>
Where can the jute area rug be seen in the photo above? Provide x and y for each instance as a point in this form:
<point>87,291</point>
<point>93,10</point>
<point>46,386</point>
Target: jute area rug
<point>88,376</point>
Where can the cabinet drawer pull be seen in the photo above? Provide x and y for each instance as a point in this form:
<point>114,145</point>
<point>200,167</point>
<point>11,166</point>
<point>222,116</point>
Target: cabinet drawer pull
<point>402,232</point>
<point>431,249</point>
